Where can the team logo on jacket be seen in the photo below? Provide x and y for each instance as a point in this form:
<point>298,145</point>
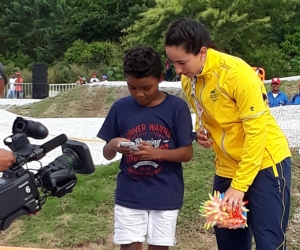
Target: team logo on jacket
<point>214,96</point>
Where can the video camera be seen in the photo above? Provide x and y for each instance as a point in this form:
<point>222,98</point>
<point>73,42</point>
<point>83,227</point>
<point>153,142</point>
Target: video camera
<point>20,188</point>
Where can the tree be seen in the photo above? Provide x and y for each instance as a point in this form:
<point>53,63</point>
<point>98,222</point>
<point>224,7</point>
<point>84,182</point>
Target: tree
<point>43,28</point>
<point>239,27</point>
<point>103,20</point>
<point>264,33</point>
<point>150,28</point>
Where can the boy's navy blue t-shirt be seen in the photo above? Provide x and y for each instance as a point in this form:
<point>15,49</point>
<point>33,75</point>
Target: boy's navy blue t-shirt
<point>153,184</point>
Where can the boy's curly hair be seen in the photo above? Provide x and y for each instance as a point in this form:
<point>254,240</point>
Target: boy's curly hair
<point>142,61</point>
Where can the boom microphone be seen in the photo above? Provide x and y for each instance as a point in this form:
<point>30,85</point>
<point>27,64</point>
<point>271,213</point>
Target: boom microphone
<point>54,143</point>
<point>47,147</point>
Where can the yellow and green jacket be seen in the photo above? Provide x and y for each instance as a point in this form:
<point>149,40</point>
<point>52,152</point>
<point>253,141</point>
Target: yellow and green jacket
<point>246,136</point>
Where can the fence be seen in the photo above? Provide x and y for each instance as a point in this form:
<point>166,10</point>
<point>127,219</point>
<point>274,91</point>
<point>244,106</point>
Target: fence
<point>54,89</point>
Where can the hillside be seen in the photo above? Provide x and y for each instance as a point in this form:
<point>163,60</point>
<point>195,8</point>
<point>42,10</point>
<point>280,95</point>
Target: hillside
<point>82,101</point>
<point>95,101</point>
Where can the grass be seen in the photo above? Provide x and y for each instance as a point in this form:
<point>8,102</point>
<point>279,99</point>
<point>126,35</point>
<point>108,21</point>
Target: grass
<point>84,218</point>
<point>52,106</point>
<point>109,99</point>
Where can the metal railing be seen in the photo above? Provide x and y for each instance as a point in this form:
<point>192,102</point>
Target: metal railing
<point>54,89</point>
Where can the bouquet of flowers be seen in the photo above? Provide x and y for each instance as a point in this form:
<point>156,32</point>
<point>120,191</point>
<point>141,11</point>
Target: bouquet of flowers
<point>219,216</point>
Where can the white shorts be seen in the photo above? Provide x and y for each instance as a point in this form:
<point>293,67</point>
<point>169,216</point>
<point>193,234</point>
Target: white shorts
<point>134,225</point>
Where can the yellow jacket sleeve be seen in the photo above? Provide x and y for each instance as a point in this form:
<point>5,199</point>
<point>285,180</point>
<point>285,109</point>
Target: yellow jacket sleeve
<point>246,89</point>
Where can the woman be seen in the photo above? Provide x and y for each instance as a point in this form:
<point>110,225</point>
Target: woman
<point>252,153</point>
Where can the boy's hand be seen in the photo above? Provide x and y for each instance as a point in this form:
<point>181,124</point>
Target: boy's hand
<point>146,151</point>
<point>115,145</point>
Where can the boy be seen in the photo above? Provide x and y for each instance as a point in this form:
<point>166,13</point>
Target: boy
<point>150,185</point>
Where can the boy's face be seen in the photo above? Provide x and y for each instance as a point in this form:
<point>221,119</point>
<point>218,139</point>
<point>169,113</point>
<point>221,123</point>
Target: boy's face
<point>143,90</point>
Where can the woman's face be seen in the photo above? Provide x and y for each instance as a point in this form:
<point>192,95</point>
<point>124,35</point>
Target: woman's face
<point>185,63</point>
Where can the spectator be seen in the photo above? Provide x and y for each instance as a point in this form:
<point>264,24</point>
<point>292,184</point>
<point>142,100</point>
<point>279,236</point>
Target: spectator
<point>275,96</point>
<point>81,80</point>
<point>11,90</point>
<point>7,158</point>
<point>295,100</point>
<point>104,79</point>
<point>94,78</point>
<point>177,77</point>
<point>169,70</point>
<point>18,86</point>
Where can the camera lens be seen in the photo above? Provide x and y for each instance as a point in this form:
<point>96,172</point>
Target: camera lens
<point>69,158</point>
<point>60,172</point>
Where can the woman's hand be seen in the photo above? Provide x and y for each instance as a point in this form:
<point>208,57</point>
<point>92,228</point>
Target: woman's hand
<point>203,138</point>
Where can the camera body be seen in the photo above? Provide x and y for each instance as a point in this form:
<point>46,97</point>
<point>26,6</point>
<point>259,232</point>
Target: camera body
<point>24,192</point>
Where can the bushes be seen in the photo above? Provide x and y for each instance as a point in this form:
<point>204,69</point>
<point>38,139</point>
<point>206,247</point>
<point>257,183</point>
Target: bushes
<point>65,73</point>
<point>271,58</point>
<point>94,55</point>
<point>81,58</point>
<point>11,67</point>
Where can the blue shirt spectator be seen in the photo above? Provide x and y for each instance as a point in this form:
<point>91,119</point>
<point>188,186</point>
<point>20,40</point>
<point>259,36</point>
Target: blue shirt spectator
<point>275,96</point>
<point>295,100</point>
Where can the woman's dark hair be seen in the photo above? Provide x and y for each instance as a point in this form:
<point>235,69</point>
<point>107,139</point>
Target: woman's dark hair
<point>189,34</point>
<point>142,61</point>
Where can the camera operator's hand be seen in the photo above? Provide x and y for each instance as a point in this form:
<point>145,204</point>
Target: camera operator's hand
<point>7,158</point>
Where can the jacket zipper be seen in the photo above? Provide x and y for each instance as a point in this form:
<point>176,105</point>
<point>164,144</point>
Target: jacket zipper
<point>223,131</point>
<point>204,83</point>
<point>223,147</point>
